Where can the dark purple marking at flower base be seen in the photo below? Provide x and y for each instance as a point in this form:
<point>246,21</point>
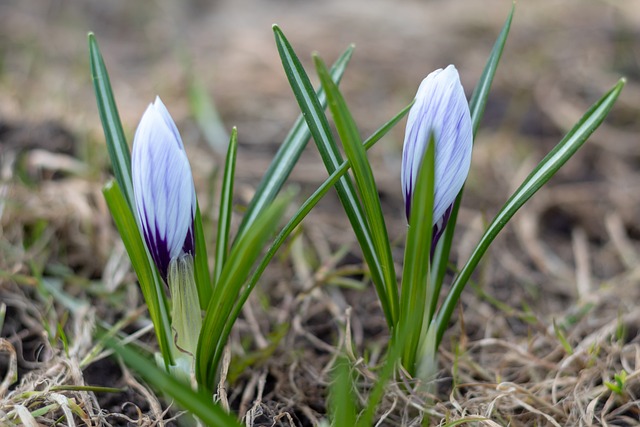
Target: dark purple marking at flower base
<point>438,229</point>
<point>159,251</point>
<point>189,246</point>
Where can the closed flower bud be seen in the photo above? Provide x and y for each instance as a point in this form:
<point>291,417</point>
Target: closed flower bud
<point>441,110</point>
<point>163,187</point>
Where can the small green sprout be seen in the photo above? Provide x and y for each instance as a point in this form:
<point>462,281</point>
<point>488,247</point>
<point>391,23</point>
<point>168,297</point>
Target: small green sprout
<point>560,334</point>
<point>619,381</point>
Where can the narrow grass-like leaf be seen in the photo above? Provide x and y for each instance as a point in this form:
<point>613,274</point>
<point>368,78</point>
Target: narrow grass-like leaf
<point>121,200</point>
<point>225,294</point>
<point>476,106</point>
<point>226,206</point>
<point>197,403</point>
<point>342,402</point>
<point>481,92</point>
<point>440,261</point>
<point>201,263</point>
<point>538,177</point>
<point>150,282</point>
<point>394,353</point>
<point>288,153</point>
<point>311,202</point>
<point>3,314</point>
<point>93,388</point>
<point>365,180</point>
<point>206,115</point>
<point>416,289</point>
<point>330,153</point>
<point>562,337</point>
<point>114,135</point>
<point>302,212</point>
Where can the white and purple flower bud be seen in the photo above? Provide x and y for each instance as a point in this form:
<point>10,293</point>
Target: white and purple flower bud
<point>441,110</point>
<point>163,187</point>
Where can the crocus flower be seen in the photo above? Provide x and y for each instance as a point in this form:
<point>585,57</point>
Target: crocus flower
<point>163,187</point>
<point>441,110</point>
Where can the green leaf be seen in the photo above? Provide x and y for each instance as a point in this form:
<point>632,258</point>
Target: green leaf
<point>476,106</point>
<point>288,153</point>
<point>113,133</point>
<point>121,202</point>
<point>416,291</point>
<point>150,282</point>
<point>365,181</point>
<point>562,338</point>
<point>440,261</point>
<point>297,218</point>
<point>342,402</point>
<point>394,352</point>
<point>201,263</point>
<point>206,115</point>
<point>481,92</point>
<point>321,133</point>
<point>198,404</point>
<point>225,294</point>
<point>226,206</point>
<point>538,177</point>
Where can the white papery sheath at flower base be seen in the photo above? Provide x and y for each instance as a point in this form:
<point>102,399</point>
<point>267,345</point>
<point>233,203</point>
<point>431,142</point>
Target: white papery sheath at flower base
<point>441,109</point>
<point>163,187</point>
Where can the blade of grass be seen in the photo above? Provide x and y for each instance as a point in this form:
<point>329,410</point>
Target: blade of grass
<point>114,135</point>
<point>120,156</point>
<point>481,92</point>
<point>198,404</point>
<point>150,282</point>
<point>225,295</point>
<point>394,353</point>
<point>476,106</point>
<point>201,263</point>
<point>93,388</point>
<point>206,115</point>
<point>365,180</point>
<point>288,153</point>
<point>538,177</point>
<point>321,133</point>
<point>342,402</point>
<point>440,261</point>
<point>297,218</point>
<point>416,289</point>
<point>226,207</point>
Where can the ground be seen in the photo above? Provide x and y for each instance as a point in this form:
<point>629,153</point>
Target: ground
<point>551,316</point>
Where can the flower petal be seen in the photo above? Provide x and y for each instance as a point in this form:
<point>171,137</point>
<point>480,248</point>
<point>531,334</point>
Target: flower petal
<point>163,186</point>
<point>440,109</point>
